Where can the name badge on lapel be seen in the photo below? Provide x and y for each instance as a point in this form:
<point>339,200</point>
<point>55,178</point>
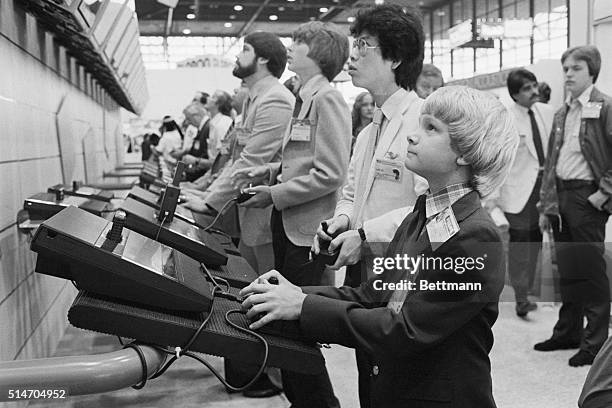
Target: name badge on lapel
<point>591,110</point>
<point>392,170</point>
<point>442,227</point>
<point>300,130</point>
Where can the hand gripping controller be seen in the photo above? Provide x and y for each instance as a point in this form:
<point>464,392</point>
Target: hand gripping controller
<point>244,195</point>
<point>325,256</point>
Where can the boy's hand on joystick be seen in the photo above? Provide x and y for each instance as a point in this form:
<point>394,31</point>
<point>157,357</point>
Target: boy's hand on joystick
<point>271,297</point>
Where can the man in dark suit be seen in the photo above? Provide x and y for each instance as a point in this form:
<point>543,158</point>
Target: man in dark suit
<point>575,202</point>
<point>429,345</point>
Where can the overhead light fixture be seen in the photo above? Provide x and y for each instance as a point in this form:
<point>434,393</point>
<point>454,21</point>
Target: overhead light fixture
<point>281,8</point>
<point>190,16</point>
<point>186,31</point>
<point>238,7</point>
<point>290,1</point>
<point>379,2</point>
<point>273,17</point>
<point>350,19</point>
<point>323,9</point>
<point>227,25</point>
<point>232,17</point>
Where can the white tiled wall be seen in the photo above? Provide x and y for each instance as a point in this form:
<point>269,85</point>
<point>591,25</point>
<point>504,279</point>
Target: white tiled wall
<point>33,98</point>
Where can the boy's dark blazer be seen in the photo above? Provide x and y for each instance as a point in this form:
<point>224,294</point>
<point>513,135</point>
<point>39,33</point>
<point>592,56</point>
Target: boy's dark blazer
<point>434,353</point>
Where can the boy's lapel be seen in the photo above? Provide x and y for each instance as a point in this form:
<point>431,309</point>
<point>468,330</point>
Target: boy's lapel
<point>463,208</point>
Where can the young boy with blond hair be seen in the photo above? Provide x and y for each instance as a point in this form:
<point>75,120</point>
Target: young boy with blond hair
<point>427,328</point>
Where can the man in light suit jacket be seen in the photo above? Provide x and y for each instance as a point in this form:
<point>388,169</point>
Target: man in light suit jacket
<point>386,59</point>
<point>266,117</point>
<point>258,140</point>
<point>521,191</point>
<point>304,185</point>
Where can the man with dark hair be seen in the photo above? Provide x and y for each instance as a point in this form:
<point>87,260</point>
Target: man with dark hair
<point>519,194</point>
<point>257,141</point>
<point>575,202</point>
<point>386,59</point>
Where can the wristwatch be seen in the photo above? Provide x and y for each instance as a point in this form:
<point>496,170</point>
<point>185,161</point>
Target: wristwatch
<point>362,234</point>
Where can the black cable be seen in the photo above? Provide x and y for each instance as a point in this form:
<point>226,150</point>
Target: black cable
<point>262,367</point>
<point>220,213</point>
<point>190,354</point>
<point>143,361</point>
<point>190,341</point>
<point>161,225</point>
<point>184,351</point>
<point>218,231</point>
<point>214,280</point>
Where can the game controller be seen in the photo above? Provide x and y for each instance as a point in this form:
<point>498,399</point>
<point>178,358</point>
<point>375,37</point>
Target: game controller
<point>325,256</point>
<point>244,196</point>
<point>284,328</point>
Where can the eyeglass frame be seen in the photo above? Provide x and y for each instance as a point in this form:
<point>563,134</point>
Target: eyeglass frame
<point>362,46</point>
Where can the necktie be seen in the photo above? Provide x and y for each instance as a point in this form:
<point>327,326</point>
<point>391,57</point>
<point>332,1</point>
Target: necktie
<point>298,106</point>
<point>360,188</point>
<point>408,245</point>
<point>537,140</point>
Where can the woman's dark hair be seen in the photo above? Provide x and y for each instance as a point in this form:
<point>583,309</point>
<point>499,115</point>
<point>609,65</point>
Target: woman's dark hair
<point>224,103</point>
<point>169,126</point>
<point>154,139</point>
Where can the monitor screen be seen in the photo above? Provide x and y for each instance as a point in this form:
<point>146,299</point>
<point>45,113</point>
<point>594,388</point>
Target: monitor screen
<point>149,254</point>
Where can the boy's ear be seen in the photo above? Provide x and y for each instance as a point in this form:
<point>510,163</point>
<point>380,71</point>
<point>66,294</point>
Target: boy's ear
<point>462,162</point>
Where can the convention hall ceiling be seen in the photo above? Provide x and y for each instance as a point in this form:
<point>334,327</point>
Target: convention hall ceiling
<point>236,18</point>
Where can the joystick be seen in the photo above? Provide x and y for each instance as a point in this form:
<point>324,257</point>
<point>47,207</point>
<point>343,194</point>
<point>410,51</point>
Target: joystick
<point>325,256</point>
<point>283,328</point>
<point>244,195</point>
<point>59,194</point>
<point>116,231</point>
